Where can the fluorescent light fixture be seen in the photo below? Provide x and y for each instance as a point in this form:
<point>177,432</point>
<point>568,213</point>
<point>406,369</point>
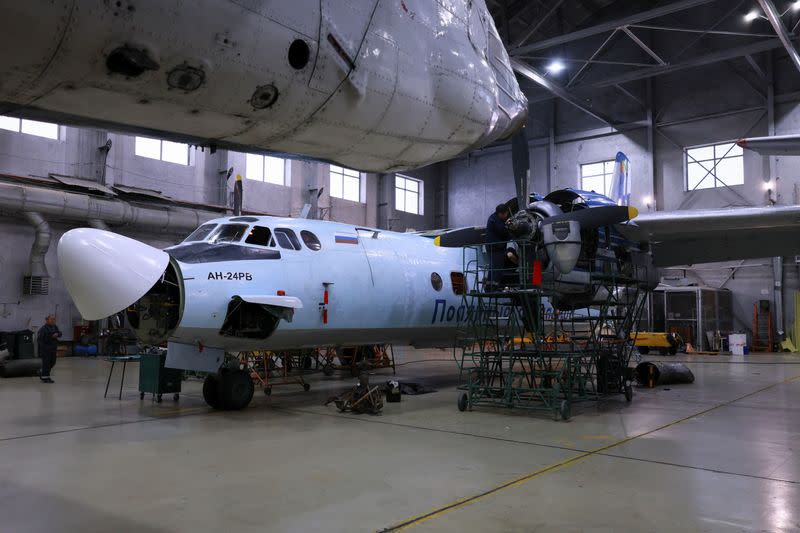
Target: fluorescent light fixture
<point>750,17</point>
<point>555,66</point>
<point>796,6</point>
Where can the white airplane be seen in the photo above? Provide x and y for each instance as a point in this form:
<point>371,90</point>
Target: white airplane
<point>372,85</point>
<point>255,283</point>
<point>245,283</point>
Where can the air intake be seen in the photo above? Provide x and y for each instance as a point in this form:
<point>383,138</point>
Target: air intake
<point>36,285</point>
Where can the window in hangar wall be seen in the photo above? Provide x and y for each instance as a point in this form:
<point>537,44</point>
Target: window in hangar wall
<point>345,183</point>
<point>265,168</point>
<point>597,177</point>
<point>407,194</point>
<point>30,127</point>
<point>167,151</point>
<point>713,166</point>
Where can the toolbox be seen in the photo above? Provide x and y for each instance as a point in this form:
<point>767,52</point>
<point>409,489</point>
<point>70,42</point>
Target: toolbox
<point>157,380</point>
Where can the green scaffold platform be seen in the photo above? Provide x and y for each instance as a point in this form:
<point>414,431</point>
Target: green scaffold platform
<point>537,339</point>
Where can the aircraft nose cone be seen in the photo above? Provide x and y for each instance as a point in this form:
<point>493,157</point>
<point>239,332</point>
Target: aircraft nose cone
<point>105,272</point>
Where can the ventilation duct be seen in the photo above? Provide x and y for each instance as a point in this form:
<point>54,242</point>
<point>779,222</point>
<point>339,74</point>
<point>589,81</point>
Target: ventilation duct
<point>73,206</point>
<point>37,280</point>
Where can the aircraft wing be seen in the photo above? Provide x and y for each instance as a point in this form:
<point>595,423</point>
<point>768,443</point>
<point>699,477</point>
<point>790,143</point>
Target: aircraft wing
<point>775,145</point>
<point>710,235</point>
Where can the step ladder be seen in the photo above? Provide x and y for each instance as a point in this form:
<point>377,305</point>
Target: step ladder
<point>762,326</point>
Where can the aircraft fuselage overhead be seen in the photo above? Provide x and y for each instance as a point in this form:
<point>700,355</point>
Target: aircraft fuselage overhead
<point>373,85</point>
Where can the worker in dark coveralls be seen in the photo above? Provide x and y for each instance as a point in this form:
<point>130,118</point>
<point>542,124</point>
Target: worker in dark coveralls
<point>47,341</point>
<point>496,237</point>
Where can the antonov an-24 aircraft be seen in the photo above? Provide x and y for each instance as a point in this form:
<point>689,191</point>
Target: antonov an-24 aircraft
<point>253,282</point>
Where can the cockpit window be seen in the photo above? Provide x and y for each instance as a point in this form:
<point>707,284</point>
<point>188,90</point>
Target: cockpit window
<point>228,233</point>
<point>200,233</point>
<point>261,236</point>
<point>311,240</point>
<point>287,239</point>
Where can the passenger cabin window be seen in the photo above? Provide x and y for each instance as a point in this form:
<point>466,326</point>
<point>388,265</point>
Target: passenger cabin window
<point>228,233</point>
<point>287,239</point>
<point>311,241</point>
<point>261,236</point>
<point>200,233</point>
<point>459,282</point>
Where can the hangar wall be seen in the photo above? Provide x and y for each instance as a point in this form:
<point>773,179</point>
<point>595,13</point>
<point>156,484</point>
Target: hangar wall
<point>76,154</point>
<point>713,104</point>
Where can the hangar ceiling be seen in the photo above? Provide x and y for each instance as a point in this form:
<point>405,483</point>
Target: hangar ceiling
<point>577,50</point>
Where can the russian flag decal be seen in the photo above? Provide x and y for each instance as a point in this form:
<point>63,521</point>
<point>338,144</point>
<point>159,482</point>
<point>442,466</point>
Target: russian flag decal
<point>346,239</point>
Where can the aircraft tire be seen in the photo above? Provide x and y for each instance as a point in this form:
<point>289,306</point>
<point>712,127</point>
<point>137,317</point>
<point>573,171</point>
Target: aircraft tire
<point>644,350</point>
<point>235,389</point>
<point>211,391</point>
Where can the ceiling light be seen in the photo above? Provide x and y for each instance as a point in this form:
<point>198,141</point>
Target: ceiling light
<point>750,17</point>
<point>796,6</point>
<point>647,200</point>
<point>555,67</point>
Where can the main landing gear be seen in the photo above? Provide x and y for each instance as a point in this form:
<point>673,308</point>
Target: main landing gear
<point>230,389</point>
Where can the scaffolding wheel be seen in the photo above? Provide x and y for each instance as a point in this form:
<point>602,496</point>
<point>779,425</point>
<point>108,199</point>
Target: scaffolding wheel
<point>628,392</point>
<point>463,402</point>
<point>564,410</point>
<point>176,397</point>
<point>306,387</point>
<point>267,391</point>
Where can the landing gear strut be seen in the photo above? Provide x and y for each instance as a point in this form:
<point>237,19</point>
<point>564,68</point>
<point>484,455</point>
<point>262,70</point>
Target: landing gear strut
<point>231,389</point>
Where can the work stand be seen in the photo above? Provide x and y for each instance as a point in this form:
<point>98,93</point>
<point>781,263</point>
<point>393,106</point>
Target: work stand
<point>518,350</point>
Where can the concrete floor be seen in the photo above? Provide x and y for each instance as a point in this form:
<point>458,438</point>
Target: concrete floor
<point>722,454</point>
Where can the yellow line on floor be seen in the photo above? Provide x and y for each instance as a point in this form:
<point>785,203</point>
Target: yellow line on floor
<point>439,511</point>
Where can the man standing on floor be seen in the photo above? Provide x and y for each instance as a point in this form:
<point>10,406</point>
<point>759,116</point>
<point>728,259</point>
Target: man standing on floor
<point>47,341</point>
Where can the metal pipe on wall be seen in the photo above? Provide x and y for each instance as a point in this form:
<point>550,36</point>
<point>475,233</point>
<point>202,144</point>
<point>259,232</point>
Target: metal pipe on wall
<point>74,206</point>
<point>41,243</point>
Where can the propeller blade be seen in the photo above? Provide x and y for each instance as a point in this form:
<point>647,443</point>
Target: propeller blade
<point>461,237</point>
<point>597,217</point>
<point>521,163</point>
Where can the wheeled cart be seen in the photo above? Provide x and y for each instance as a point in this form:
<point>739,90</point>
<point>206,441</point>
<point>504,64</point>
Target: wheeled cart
<point>157,380</point>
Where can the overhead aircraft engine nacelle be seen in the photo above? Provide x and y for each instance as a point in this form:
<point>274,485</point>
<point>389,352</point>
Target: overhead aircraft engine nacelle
<point>562,240</point>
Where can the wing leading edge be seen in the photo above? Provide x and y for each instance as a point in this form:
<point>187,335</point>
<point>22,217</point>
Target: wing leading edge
<point>711,235</point>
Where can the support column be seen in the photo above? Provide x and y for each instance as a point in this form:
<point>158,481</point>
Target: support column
<point>651,144</point>
<point>772,177</point>
<point>551,151</point>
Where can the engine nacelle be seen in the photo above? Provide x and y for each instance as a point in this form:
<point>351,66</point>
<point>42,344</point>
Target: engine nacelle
<point>562,240</point>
